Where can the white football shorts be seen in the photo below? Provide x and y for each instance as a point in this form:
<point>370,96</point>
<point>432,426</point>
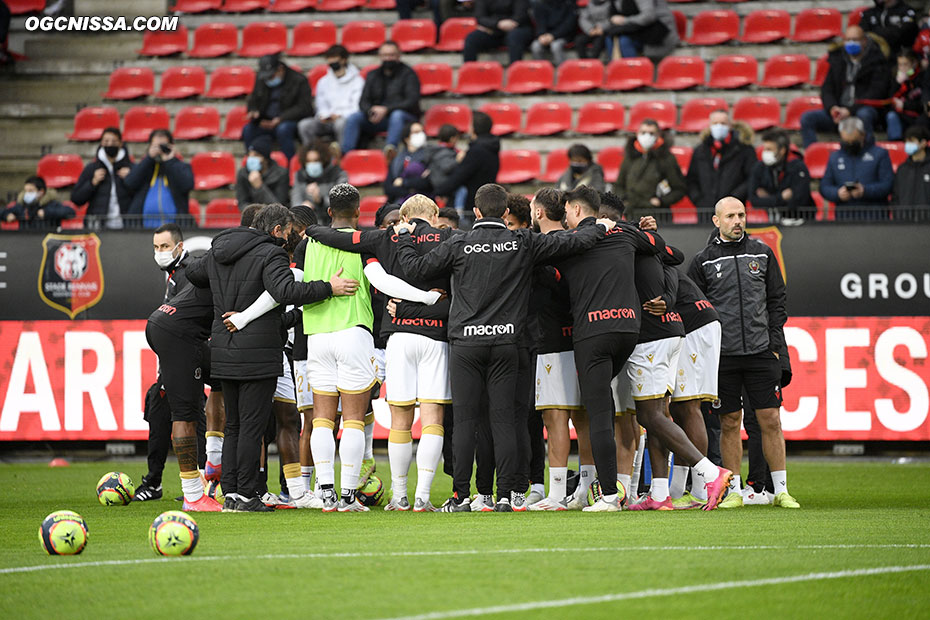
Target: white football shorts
<point>557,382</point>
<point>417,370</point>
<point>342,361</point>
<point>284,391</point>
<point>652,367</point>
<point>698,365</point>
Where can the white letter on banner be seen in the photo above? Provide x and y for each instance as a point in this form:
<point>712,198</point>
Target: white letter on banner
<point>840,379</point>
<point>29,358</point>
<point>95,383</point>
<point>806,412</point>
<point>134,344</point>
<point>904,378</point>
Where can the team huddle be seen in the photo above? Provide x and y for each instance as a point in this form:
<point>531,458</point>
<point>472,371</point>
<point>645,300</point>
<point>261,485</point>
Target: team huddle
<point>548,311</point>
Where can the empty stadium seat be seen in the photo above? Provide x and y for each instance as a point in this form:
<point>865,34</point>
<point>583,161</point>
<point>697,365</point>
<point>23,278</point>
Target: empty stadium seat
<point>363,36</point>
<point>336,6</point>
<point>506,118</point>
<point>797,107</point>
<point>262,38</point>
<point>139,121</point>
<point>599,117</point>
<point>812,25</point>
<point>412,35</point>
<point>196,6</point>
<point>235,120</point>
<point>244,6</point>
<point>130,83</point>
<point>663,112</point>
<point>452,33</point>
<point>368,207</point>
<point>610,159</point>
<point>628,74</point>
<point>556,165</point>
<point>364,167</point>
<point>435,77</point>
<point>196,122</point>
<point>22,7</point>
<point>529,76</point>
<point>684,211</point>
<point>90,122</point>
<point>680,72</point>
<point>518,166</point>
<point>681,24</point>
<point>458,115</point>
<point>579,75</point>
<point>213,169</point>
<point>381,5</point>
<point>816,156</point>
<point>312,38</point>
<point>214,39</point>
<point>316,74</point>
<point>714,27</point>
<point>695,114</point>
<point>228,82</point>
<point>733,72</point>
<point>193,207</point>
<point>766,26</point>
<point>60,170</point>
<point>158,43</point>
<point>757,112</point>
<point>820,70</point>
<point>478,77</point>
<point>545,119</point>
<point>895,152</point>
<point>182,81</point>
<point>221,213</point>
<point>682,156</point>
<point>292,6</point>
<point>786,71</point>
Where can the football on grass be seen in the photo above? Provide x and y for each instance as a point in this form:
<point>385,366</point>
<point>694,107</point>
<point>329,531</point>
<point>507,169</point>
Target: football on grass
<point>115,489</point>
<point>372,493</point>
<point>174,533</point>
<point>63,533</point>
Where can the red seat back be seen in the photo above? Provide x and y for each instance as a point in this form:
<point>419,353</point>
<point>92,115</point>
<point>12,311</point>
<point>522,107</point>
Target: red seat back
<point>158,43</point>
<point>182,81</point>
<point>663,112</point>
<point>610,159</point>
<point>312,38</point>
<point>196,122</point>
<point>228,82</point>
<point>479,77</point>
<point>518,166</point>
<point>130,83</point>
<point>221,213</point>
<point>529,76</point>
<point>90,122</point>
<point>714,27</point>
<point>236,119</point>
<point>629,73</point>
<point>556,165</point>
<point>766,26</point>
<point>797,107</point>
<point>452,33</point>
<point>60,170</point>
<point>140,121</point>
<point>696,112</point>
<point>547,118</point>
<point>435,77</point>
<point>214,39</point>
<point>786,71</point>
<point>263,38</point>
<point>817,155</point>
<point>599,117</point>
<point>579,75</point>
<point>244,6</point>
<point>363,36</point>
<point>733,72</point>
<point>213,169</point>
<point>817,24</point>
<point>506,118</point>
<point>680,72</point>
<point>364,167</point>
<point>457,115</point>
<point>412,35</point>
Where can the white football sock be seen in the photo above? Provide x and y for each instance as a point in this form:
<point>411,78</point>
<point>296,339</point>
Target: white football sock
<point>306,473</point>
<point>429,451</point>
<point>294,480</point>
<point>658,490</point>
<point>780,481</point>
<point>400,454</point>
<point>697,486</point>
<point>735,485</point>
<point>351,451</point>
<point>192,486</point>
<point>539,488</point>
<point>323,448</point>
<point>625,480</point>
<point>557,483</point>
<point>585,478</point>
<point>215,450</point>
<point>706,470</point>
<point>679,477</point>
<point>369,438</point>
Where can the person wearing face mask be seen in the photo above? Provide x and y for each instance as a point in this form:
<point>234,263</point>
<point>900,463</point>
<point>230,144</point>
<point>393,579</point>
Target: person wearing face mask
<point>102,184</point>
<point>650,180</point>
<point>857,175</point>
<point>892,20</point>
<point>912,181</point>
<point>581,170</point>
<point>261,180</point>
<point>721,164</point>
<point>315,178</point>
<point>161,184</point>
<point>908,95</point>
<point>280,99</point>
<point>337,97</point>
<point>781,182</point>
<point>409,166</point>
<point>593,22</point>
<point>37,207</point>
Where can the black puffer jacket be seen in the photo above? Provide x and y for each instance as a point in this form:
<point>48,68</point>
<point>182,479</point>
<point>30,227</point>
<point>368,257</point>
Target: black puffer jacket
<point>872,83</point>
<point>479,166</point>
<point>241,265</point>
<point>706,183</point>
<point>398,91</point>
<point>296,98</point>
<point>790,174</point>
<point>98,197</point>
<point>912,183</point>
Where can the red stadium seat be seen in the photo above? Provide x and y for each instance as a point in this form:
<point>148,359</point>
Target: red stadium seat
<point>452,33</point>
<point>367,208</point>
<point>855,16</point>
<point>336,6</point>
<point>696,112</point>
<point>213,169</point>
<point>221,213</point>
<point>312,38</point>
<point>455,114</point>
<point>157,43</point>
<point>786,71</point>
<point>610,159</point>
<point>714,27</point>
<point>628,74</point>
<point>214,39</point>
<point>292,6</point>
<point>60,170</point>
<point>196,6</point>
<point>262,38</point>
<point>820,70</point>
<point>21,7</point>
<point>758,112</point>
<point>895,152</point>
<point>182,81</point>
<point>546,119</point>
<point>130,83</point>
<point>599,117</point>
<point>381,5</point>
<point>681,24</point>
<point>363,36</point>
<point>90,122</point>
<point>766,26</point>
<point>579,75</point>
<point>364,167</point>
<point>196,122</point>
<point>506,118</point>
<point>76,222</point>
<point>817,155</point>
<point>228,82</point>
<point>680,72</point>
<point>826,211</point>
<point>684,211</point>
<point>140,121</point>
<point>316,74</point>
<point>556,165</point>
<point>812,25</point>
<point>682,156</point>
<point>412,35</point>
<point>663,112</point>
<point>518,166</point>
<point>193,207</point>
<point>733,72</point>
<point>797,107</point>
<point>244,6</point>
<point>756,216</point>
<point>529,76</point>
<point>368,69</point>
<point>478,77</point>
<point>435,77</point>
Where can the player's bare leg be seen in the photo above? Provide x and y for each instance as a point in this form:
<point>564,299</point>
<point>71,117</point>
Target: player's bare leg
<point>626,430</point>
<point>587,470</point>
<point>560,443</point>
<point>687,414</point>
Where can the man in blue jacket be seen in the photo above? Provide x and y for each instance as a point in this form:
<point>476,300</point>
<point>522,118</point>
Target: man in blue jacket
<point>858,175</point>
<point>160,184</point>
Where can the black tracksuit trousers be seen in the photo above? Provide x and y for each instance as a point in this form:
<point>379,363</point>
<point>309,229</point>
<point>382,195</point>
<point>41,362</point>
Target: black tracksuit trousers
<point>248,408</point>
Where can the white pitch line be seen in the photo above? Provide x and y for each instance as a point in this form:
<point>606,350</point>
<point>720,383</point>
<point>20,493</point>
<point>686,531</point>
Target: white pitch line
<point>444,553</point>
<point>657,592</point>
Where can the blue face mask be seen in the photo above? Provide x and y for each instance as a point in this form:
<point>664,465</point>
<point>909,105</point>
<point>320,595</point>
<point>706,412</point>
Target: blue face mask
<point>314,168</point>
<point>273,82</point>
<point>253,163</point>
<point>911,147</point>
<point>853,48</point>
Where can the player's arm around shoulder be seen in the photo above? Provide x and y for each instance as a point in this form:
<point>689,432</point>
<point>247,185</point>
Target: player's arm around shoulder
<point>357,241</point>
<point>279,282</point>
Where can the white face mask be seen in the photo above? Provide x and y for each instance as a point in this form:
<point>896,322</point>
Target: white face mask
<point>417,140</point>
<point>646,140</point>
<point>163,259</point>
<point>769,158</point>
<point>719,131</point>
<point>30,197</point>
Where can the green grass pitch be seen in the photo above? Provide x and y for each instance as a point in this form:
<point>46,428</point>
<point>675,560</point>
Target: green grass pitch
<point>859,547</point>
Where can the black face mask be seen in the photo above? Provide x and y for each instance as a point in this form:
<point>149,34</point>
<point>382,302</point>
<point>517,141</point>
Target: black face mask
<point>335,66</point>
<point>279,241</point>
<point>853,148</point>
<point>390,65</point>
<point>111,151</point>
<point>578,168</point>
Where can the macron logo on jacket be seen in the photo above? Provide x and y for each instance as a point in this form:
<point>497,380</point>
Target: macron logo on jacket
<point>489,330</point>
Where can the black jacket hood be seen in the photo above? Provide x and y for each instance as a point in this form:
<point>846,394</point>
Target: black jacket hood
<point>231,244</point>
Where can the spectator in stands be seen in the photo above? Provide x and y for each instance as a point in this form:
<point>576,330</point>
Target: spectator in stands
<point>280,99</point>
<point>857,175</point>
<point>644,28</point>
<point>261,180</point>
<point>161,184</point>
<point>650,179</point>
<point>922,43</point>
<point>102,184</point>
<point>448,218</point>
<point>908,95</point>
<point>37,207</point>
<point>912,181</point>
<point>593,22</point>
<point>582,170</point>
<point>781,182</point>
<point>390,100</point>
<point>313,180</point>
<point>420,165</point>
<point>892,20</point>
<point>556,23</point>
<point>337,97</point>
<point>721,164</point>
<point>477,165</point>
<point>856,81</point>
<point>500,22</point>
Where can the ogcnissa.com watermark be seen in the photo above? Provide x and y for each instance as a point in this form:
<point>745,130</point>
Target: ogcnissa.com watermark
<point>102,23</point>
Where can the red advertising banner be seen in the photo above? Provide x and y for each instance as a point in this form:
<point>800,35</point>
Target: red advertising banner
<point>855,378</point>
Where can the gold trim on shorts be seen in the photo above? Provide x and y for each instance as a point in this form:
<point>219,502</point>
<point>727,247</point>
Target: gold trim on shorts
<point>368,389</point>
<point>562,407</point>
<point>284,400</point>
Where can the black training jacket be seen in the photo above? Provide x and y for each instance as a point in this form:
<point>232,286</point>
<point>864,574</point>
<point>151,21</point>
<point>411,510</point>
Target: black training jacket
<point>189,314</point>
<point>692,304</point>
<point>550,302</point>
<point>655,279</point>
